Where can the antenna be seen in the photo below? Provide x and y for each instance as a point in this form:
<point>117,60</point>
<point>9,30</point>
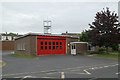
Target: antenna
<point>47,26</point>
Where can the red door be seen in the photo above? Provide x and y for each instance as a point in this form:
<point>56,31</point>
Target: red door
<point>51,45</point>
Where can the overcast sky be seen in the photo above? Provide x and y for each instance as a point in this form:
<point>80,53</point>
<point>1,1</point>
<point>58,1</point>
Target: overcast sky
<point>25,17</point>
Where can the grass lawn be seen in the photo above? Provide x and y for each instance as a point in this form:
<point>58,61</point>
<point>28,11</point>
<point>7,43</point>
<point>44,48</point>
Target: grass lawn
<point>112,55</point>
<point>2,64</point>
<point>30,56</point>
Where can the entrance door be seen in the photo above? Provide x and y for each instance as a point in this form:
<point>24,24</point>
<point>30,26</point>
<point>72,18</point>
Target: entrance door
<point>73,49</point>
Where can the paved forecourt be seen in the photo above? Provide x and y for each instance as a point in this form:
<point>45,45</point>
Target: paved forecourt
<point>58,66</point>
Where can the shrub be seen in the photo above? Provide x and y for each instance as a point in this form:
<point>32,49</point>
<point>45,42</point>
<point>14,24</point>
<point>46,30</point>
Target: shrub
<point>102,50</point>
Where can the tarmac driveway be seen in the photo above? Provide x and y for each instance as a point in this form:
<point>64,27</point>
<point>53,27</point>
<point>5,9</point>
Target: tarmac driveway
<point>52,67</point>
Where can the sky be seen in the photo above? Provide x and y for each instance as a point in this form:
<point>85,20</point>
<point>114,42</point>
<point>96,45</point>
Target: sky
<point>74,17</point>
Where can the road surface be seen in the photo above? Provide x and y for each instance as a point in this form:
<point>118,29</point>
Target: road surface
<point>52,67</point>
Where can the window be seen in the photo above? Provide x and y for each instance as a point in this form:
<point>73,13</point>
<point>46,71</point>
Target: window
<point>56,47</point>
<point>41,43</point>
<point>56,43</point>
<point>45,43</point>
<point>73,46</point>
<point>53,47</point>
<point>49,43</point>
<point>21,46</point>
<point>60,43</point>
<point>41,47</point>
<point>49,47</point>
<point>53,43</point>
<point>45,47</point>
<point>60,47</point>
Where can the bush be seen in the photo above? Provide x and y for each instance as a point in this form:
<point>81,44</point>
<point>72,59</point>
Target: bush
<point>102,50</point>
<point>92,52</point>
<point>115,47</point>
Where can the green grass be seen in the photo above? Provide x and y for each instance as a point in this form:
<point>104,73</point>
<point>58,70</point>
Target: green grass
<point>19,55</point>
<point>2,63</point>
<point>112,55</point>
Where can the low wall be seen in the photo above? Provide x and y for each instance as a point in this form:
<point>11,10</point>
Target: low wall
<point>7,45</point>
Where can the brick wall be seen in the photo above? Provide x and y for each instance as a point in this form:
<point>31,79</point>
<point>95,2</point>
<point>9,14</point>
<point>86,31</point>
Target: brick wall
<point>29,43</point>
<point>7,45</point>
<point>81,48</point>
<point>68,40</point>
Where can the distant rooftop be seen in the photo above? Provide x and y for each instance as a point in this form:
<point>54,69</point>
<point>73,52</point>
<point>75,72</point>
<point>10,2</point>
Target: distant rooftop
<point>10,34</point>
<point>71,34</point>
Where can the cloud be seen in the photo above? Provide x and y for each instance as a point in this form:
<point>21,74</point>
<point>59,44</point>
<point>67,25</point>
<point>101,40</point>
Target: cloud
<point>27,17</point>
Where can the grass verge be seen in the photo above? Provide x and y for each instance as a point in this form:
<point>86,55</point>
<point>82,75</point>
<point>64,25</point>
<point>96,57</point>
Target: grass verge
<point>112,55</point>
<point>2,63</point>
<point>30,56</point>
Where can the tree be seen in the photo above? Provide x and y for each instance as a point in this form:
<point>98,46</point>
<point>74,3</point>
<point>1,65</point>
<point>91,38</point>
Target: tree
<point>84,36</point>
<point>105,30</point>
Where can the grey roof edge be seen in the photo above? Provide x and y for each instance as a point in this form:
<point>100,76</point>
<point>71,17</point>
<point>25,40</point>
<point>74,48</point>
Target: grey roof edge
<point>37,34</point>
<point>79,42</point>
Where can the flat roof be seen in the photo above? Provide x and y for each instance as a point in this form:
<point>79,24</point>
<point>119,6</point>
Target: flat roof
<point>78,42</point>
<point>41,34</point>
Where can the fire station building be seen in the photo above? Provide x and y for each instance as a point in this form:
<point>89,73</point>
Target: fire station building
<point>43,44</point>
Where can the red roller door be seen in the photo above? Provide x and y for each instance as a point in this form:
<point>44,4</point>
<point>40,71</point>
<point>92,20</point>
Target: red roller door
<point>51,45</point>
